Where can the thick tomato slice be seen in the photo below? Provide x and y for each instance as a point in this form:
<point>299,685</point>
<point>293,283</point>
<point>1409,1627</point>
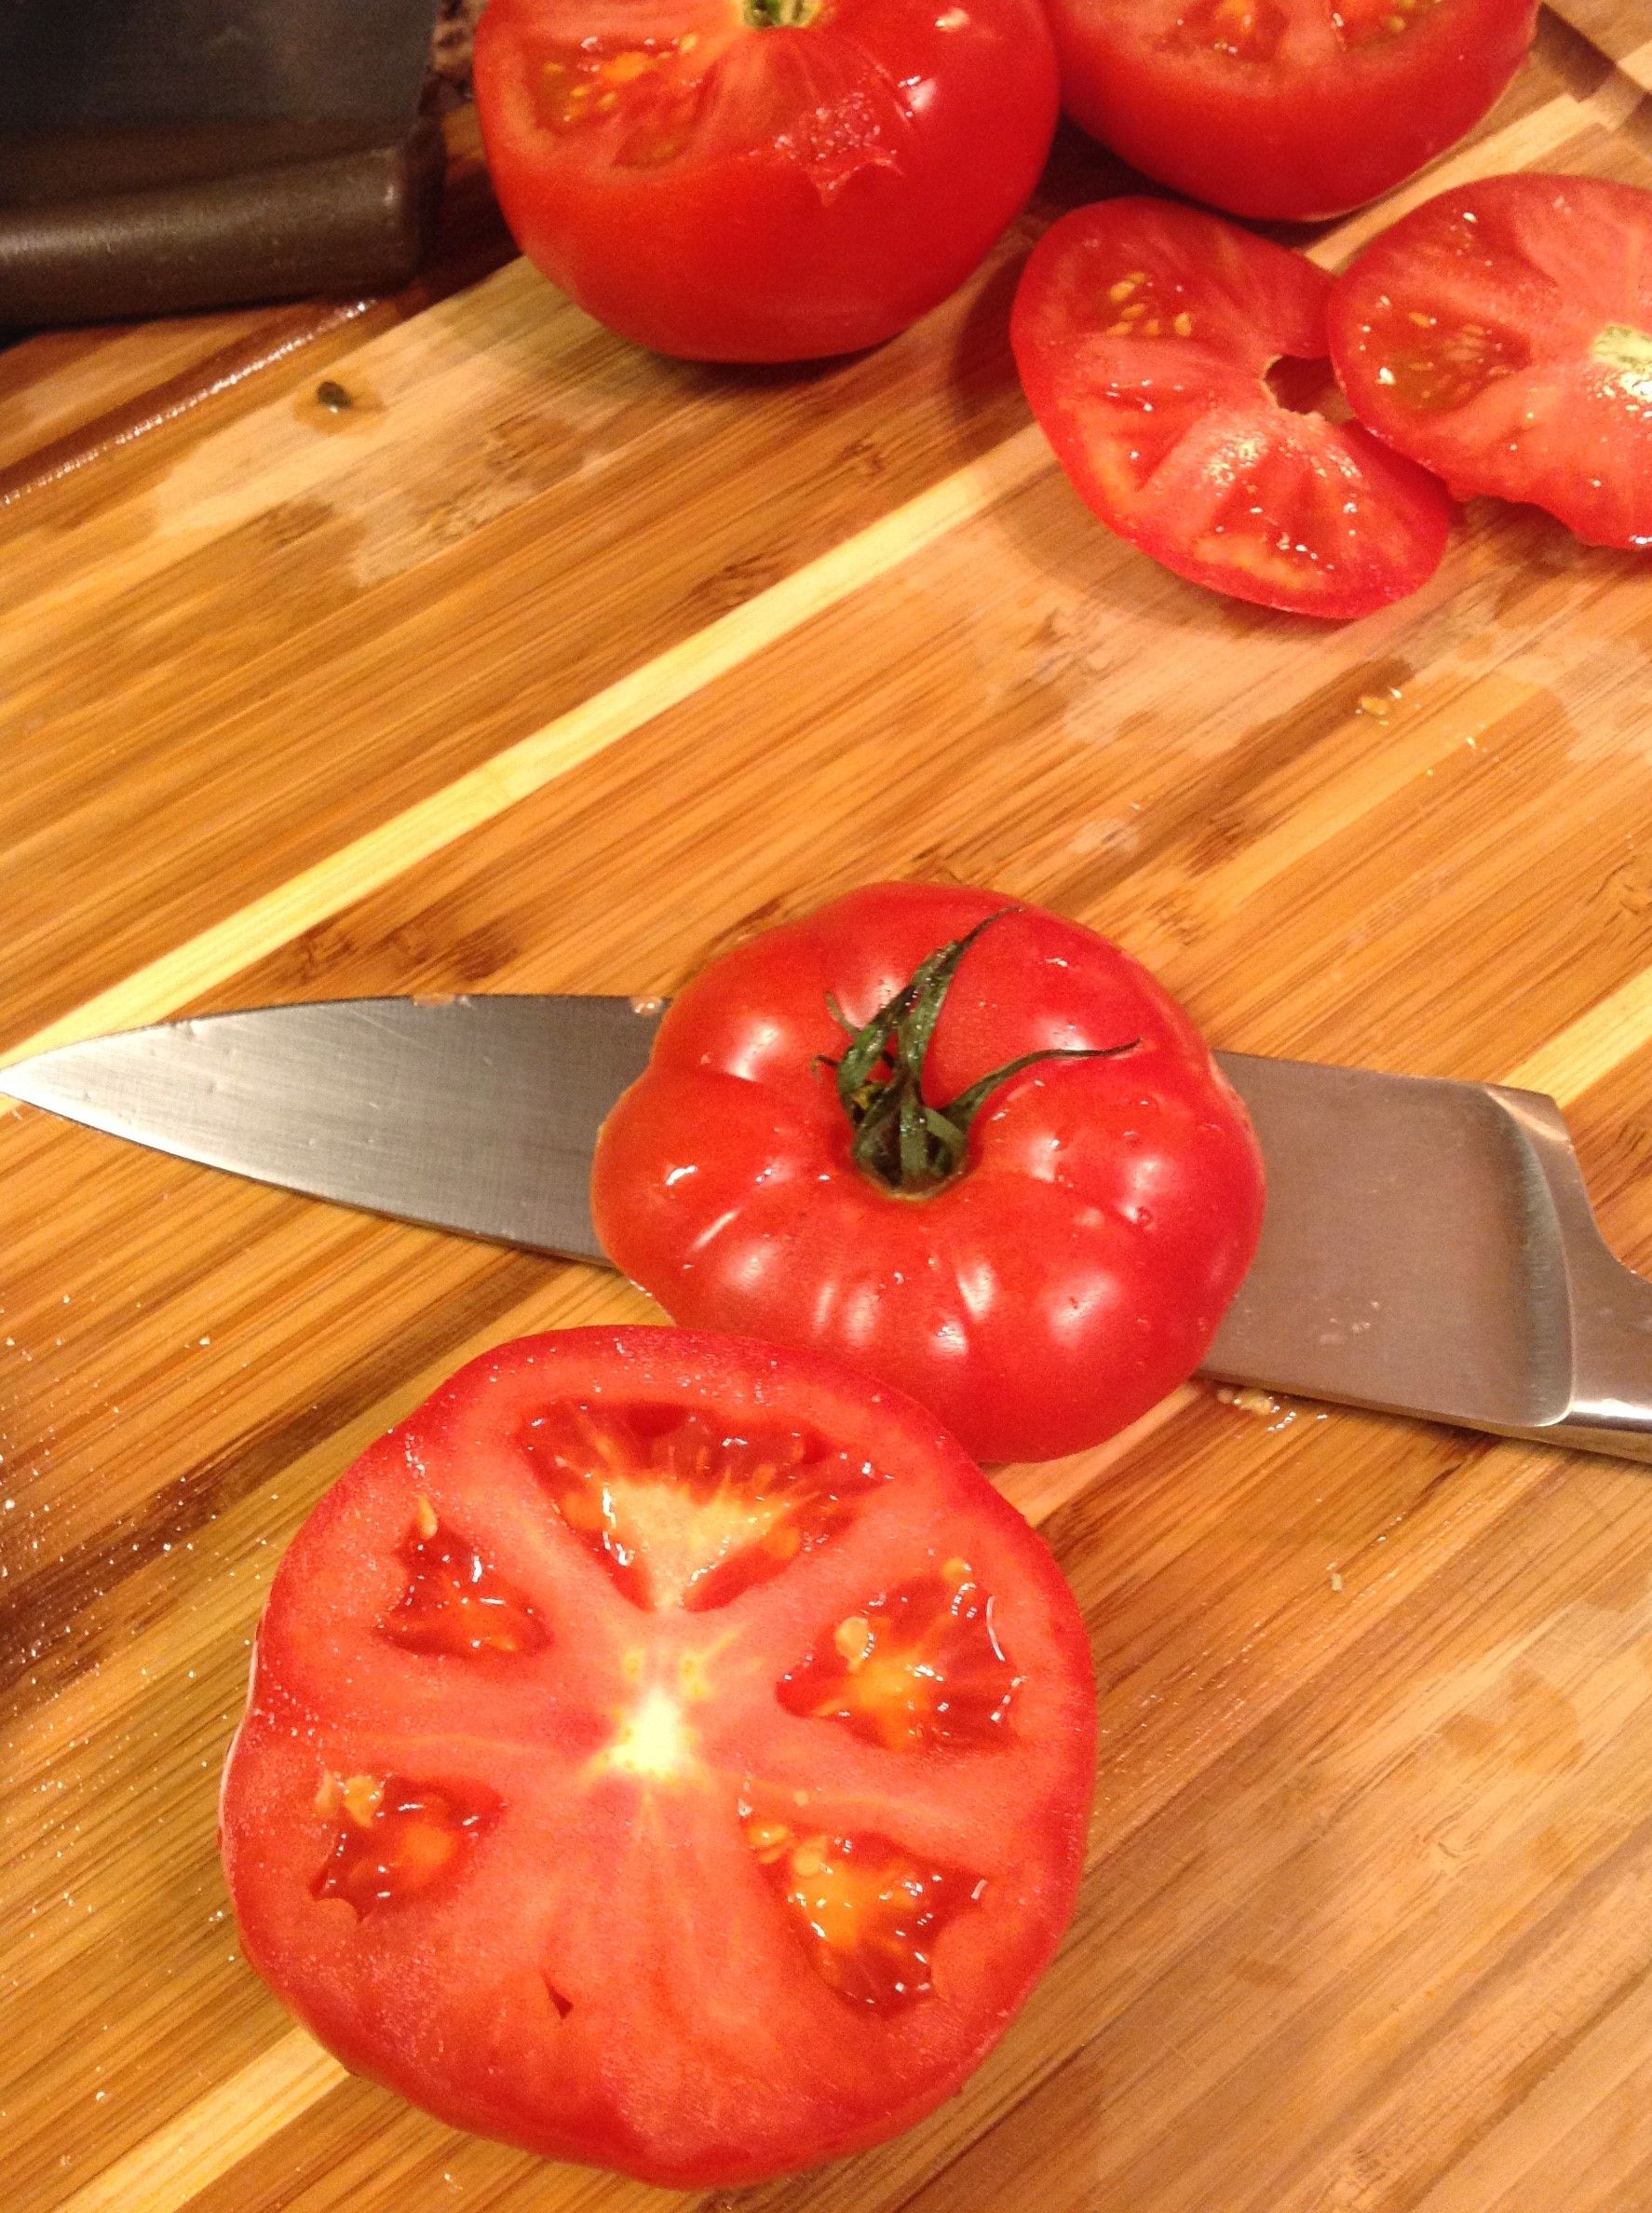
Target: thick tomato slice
<point>1286,109</point>
<point>1065,1272</point>
<point>763,180</point>
<point>1144,334</point>
<point>663,1752</point>
<point>1502,335</point>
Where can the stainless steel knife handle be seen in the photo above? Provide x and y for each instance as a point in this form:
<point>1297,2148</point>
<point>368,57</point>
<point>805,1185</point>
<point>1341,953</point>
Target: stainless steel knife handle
<point>1609,1307</point>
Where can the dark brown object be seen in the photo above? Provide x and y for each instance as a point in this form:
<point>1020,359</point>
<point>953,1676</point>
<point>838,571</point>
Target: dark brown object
<point>157,155</point>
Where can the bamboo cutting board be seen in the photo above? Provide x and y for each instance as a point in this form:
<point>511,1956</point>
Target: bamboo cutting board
<point>544,665</point>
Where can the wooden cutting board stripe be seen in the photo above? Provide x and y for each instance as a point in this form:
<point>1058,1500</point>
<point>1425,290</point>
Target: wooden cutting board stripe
<point>209,959</point>
<point>199,2150</point>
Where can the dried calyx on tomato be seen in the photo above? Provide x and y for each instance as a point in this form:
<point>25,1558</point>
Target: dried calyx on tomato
<point>1023,1192</point>
<point>911,1145</point>
<point>663,1752</point>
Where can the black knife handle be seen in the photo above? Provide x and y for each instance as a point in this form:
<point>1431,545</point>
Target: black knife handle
<point>349,222</point>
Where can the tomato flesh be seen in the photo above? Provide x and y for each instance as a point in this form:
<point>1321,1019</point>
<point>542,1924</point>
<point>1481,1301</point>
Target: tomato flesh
<point>756,182</point>
<point>1502,335</point>
<point>629,1855</point>
<point>1285,109</point>
<point>1144,334</point>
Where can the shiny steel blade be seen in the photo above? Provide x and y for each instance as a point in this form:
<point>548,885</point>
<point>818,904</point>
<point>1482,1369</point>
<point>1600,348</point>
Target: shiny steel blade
<point>477,1115</point>
<point>1429,1248</point>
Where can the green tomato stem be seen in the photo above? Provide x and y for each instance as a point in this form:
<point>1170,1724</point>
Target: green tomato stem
<point>901,1139</point>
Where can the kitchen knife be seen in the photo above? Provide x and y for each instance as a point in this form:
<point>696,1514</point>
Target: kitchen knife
<point>1429,1249</point>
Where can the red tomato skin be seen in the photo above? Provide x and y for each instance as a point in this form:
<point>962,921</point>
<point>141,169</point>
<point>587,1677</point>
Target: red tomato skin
<point>1045,1298</point>
<point>1540,266</point>
<point>1178,444</point>
<point>469,2047</point>
<point>1286,143</point>
<point>890,145</point>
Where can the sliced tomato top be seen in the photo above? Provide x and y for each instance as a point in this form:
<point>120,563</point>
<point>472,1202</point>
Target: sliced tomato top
<point>763,180</point>
<point>663,1752</point>
<point>1502,335</point>
<point>1144,334</point>
<point>1285,109</point>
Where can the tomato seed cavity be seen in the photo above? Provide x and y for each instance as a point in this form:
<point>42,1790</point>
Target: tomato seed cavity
<point>1242,30</point>
<point>649,94</point>
<point>397,1838</point>
<point>1360,23</point>
<point>1432,366</point>
<point>919,1666</point>
<point>679,1514</point>
<point>867,1912</point>
<point>455,1603</point>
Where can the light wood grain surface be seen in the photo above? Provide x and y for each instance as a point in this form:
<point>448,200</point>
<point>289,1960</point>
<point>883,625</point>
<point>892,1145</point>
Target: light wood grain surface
<point>551,666</point>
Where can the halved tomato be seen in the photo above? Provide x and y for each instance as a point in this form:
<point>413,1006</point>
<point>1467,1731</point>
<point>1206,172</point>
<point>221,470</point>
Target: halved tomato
<point>1286,109</point>
<point>665,1752</point>
<point>1144,334</point>
<point>763,180</point>
<point>1502,335</point>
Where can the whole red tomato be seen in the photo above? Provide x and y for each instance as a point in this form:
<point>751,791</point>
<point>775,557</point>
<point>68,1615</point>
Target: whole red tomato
<point>763,180</point>
<point>1285,108</point>
<point>970,1146</point>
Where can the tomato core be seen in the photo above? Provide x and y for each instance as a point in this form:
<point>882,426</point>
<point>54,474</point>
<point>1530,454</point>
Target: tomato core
<point>1629,351</point>
<point>1242,30</point>
<point>780,15</point>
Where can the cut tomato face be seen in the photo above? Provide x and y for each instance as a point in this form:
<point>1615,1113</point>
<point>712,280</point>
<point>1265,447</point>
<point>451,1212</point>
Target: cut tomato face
<point>1144,334</point>
<point>1502,335</point>
<point>763,180</point>
<point>663,1752</point>
<point>1285,109</point>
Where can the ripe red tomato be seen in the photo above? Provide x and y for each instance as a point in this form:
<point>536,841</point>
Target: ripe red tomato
<point>1144,334</point>
<point>1038,1259</point>
<point>1502,335</point>
<point>1287,109</point>
<point>763,180</point>
<point>664,1752</point>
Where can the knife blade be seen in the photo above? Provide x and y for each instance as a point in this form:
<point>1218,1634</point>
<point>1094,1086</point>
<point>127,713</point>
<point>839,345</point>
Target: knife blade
<point>1429,1248</point>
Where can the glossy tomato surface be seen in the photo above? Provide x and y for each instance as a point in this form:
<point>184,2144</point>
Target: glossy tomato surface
<point>662,1752</point>
<point>1502,335</point>
<point>1071,1272</point>
<point>763,180</point>
<point>1144,334</point>
<point>1287,109</point>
